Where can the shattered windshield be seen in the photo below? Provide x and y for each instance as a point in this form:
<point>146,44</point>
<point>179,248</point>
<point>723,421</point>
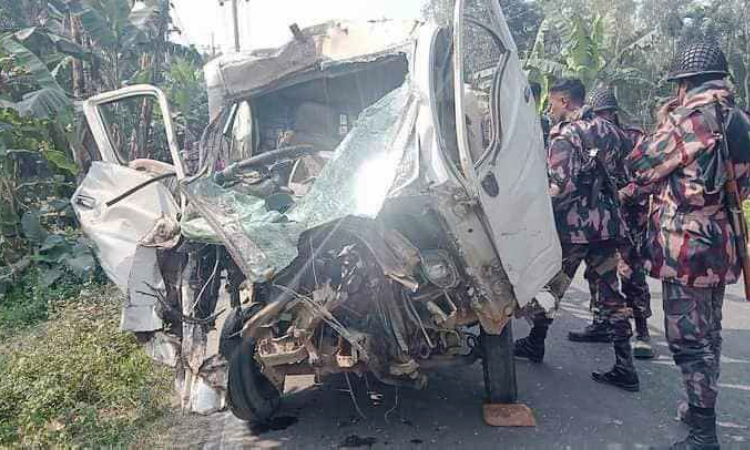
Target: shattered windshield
<point>356,181</point>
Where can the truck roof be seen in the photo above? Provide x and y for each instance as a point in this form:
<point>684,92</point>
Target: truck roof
<point>309,53</point>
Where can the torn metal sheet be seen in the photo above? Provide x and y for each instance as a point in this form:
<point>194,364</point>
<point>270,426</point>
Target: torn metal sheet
<point>141,309</point>
<point>164,349</point>
<point>200,395</point>
<point>324,45</point>
<point>116,230</point>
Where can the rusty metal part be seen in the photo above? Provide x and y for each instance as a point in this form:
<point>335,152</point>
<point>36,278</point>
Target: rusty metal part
<point>346,356</point>
<point>443,312</point>
<point>513,415</point>
<point>304,369</point>
<point>283,350</point>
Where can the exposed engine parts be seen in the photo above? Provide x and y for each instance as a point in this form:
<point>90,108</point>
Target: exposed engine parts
<point>353,307</point>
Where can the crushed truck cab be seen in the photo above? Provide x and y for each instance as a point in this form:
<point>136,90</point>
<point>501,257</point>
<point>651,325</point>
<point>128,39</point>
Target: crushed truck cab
<point>370,197</point>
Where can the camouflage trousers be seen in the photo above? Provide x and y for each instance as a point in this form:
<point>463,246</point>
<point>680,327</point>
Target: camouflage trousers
<point>602,259</point>
<point>692,321</point>
<point>632,272</point>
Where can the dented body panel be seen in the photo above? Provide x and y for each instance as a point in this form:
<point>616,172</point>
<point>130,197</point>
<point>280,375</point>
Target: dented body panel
<point>349,226</point>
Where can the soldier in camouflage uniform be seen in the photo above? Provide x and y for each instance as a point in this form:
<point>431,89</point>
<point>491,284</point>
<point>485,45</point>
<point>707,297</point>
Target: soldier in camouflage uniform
<point>585,152</point>
<point>631,269</point>
<point>690,241</point>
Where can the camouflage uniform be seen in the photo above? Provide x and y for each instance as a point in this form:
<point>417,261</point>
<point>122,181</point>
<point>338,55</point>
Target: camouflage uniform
<point>546,126</point>
<point>588,223</point>
<point>632,270</point>
<point>690,242</point>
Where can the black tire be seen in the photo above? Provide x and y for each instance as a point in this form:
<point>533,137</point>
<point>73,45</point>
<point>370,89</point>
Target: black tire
<point>250,395</point>
<point>230,337</point>
<point>499,366</point>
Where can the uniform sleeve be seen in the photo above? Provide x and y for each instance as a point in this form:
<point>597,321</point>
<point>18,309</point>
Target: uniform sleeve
<point>676,143</point>
<point>624,173</point>
<point>563,167</point>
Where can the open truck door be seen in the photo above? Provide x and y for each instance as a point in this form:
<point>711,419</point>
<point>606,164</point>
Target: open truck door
<point>126,203</point>
<point>501,148</point>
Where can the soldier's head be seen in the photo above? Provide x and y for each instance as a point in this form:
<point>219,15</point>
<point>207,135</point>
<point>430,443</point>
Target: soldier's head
<point>565,97</point>
<point>698,63</point>
<point>604,103</point>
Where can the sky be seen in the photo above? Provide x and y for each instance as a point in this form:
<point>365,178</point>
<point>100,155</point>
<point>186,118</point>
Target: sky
<point>265,23</point>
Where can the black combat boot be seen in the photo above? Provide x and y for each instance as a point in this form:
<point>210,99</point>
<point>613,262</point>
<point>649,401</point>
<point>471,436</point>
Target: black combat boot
<point>623,374</point>
<point>598,331</point>
<point>702,422</point>
<point>532,346</point>
<point>642,347</point>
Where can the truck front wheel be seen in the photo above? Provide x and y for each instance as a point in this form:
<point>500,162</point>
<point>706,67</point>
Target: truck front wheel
<point>250,395</point>
<point>499,366</point>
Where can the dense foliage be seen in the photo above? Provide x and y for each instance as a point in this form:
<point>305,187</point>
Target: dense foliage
<point>626,43</point>
<point>54,53</point>
<point>74,380</point>
<point>78,381</point>
<point>630,44</point>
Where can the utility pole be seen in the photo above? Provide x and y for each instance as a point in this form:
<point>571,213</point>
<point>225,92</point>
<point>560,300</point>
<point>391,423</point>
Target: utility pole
<point>236,22</point>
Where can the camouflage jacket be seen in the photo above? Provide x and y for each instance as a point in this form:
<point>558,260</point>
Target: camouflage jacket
<point>690,239</point>
<point>581,216</point>
<point>546,125</point>
<point>635,211</point>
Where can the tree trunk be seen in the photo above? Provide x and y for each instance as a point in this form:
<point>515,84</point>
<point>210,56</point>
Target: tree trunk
<point>141,140</point>
<point>79,83</point>
<point>155,61</point>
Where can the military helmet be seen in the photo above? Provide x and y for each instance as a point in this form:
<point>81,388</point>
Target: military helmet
<point>700,58</point>
<point>603,98</point>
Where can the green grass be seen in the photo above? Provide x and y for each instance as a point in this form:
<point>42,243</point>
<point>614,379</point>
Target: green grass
<point>76,380</point>
<point>26,303</point>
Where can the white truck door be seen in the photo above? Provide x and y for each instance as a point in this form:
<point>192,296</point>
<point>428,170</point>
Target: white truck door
<point>501,147</point>
<point>118,203</point>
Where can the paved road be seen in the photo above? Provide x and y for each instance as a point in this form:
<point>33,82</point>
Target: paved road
<point>571,410</point>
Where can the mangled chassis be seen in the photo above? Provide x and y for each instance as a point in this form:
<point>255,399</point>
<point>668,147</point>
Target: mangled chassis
<point>355,301</point>
<point>393,288</point>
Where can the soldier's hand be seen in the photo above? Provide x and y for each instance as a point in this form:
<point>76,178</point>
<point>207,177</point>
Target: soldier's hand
<point>667,109</point>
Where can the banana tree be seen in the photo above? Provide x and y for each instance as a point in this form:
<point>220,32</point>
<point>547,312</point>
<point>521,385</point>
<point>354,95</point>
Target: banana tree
<point>36,168</point>
<point>586,49</point>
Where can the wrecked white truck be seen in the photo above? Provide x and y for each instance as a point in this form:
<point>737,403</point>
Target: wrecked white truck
<point>369,198</point>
